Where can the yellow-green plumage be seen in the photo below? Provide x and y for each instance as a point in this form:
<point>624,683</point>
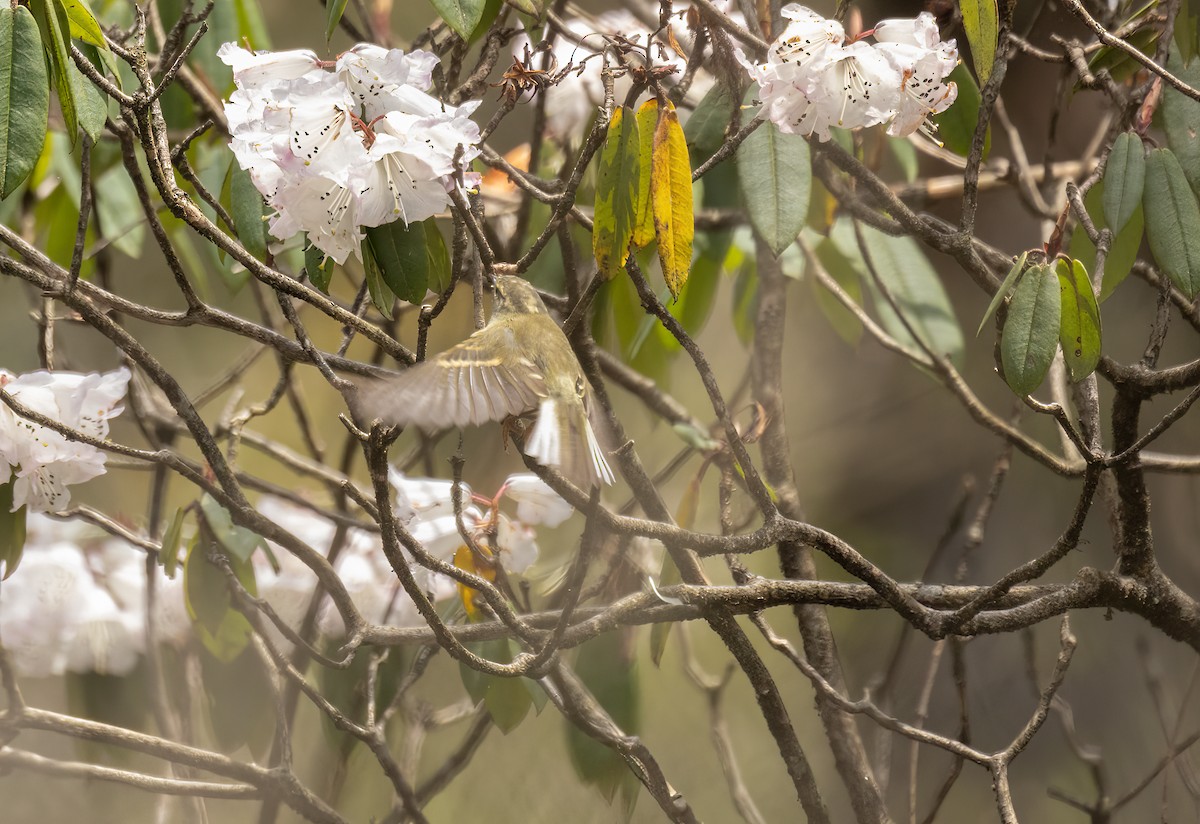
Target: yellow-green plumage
<point>520,362</point>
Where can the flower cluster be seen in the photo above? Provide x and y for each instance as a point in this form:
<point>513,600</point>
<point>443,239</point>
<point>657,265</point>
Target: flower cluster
<point>78,603</point>
<point>334,151</point>
<point>426,505</point>
<point>815,78</point>
<point>44,461</point>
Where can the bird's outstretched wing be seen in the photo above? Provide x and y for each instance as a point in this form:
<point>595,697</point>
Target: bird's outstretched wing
<point>467,384</point>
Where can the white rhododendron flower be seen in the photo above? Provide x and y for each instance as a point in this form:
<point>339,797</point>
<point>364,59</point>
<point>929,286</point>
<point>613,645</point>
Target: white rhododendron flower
<point>337,146</point>
<point>815,79</point>
<point>536,502</point>
<point>78,603</point>
<point>43,461</point>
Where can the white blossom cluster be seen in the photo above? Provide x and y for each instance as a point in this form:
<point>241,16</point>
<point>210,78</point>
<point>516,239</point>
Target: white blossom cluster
<point>45,462</point>
<point>426,505</point>
<point>816,78</point>
<point>359,146</point>
<point>77,603</point>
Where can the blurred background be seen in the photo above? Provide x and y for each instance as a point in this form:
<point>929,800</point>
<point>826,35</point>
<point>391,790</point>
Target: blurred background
<point>882,456</point>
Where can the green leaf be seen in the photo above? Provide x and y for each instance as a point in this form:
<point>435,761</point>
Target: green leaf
<point>462,16</point>
<point>534,8</point>
<point>336,9</point>
<point>82,21</point>
<point>1172,221</point>
<point>508,700</point>
<point>91,104</point>
<point>251,25</point>
<point>606,666</point>
<point>906,272</point>
<point>705,128</point>
<point>745,302</point>
<point>1030,335</point>
<point>380,294</point>
<point>222,630</point>
<point>647,123</point>
<point>1009,280</point>
<point>318,266</point>
<point>118,211</point>
<point>1180,116</point>
<point>238,695</point>
<point>1186,32</point>
<point>775,174</point>
<point>617,186</point>
<point>1079,330</point>
<point>247,209</point>
<point>238,541</point>
<point>1124,177</point>
<point>440,271</point>
<point>168,556</point>
<point>401,253</point>
<point>956,125</point>
<point>24,97</point>
<point>12,531</point>
<point>1123,250</point>
<point>906,155</point>
<point>982,24</point>
<point>56,40</point>
<point>848,274</point>
<point>1118,61</point>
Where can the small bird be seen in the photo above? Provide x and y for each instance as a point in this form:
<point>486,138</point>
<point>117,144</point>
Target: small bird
<point>518,363</point>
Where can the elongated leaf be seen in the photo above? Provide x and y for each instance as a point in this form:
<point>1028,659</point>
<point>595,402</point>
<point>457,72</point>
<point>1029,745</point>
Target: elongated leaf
<point>617,187</point>
<point>1172,221</point>
<point>1009,281</point>
<point>91,104</point>
<point>83,23</point>
<point>671,197</point>
<point>982,24</point>
<point>318,266</point>
<point>238,541</point>
<point>906,155</point>
<point>12,532</point>
<point>251,25</point>
<point>848,276</point>
<point>775,174</point>
<point>56,40</point>
<point>1079,330</point>
<point>1124,177</point>
<point>647,124</point>
<point>1181,116</point>
<point>380,294</point>
<point>335,9</point>
<point>24,97</point>
<point>705,128</point>
<point>715,255</point>
<point>1030,335</point>
<point>1117,61</point>
<point>956,125</point>
<point>168,555</point>
<point>462,16</point>
<point>118,212</point>
<point>1122,251</point>
<point>248,210</point>
<point>440,272</point>
<point>223,630</point>
<point>400,251</point>
<point>238,696</point>
<point>904,269</point>
<point>606,665</point>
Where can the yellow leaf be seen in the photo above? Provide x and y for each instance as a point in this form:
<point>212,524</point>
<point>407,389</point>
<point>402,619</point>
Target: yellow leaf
<point>466,560</point>
<point>647,122</point>
<point>671,200</point>
<point>616,194</point>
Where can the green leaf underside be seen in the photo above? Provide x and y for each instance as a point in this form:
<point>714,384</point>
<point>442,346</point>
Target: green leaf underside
<point>318,266</point>
<point>1079,330</point>
<point>1172,221</point>
<point>247,210</point>
<point>617,187</point>
<point>981,21</point>
<point>1030,335</point>
<point>24,97</point>
<point>381,295</point>
<point>440,272</point>
<point>1122,251</point>
<point>775,177</point>
<point>1002,292</point>
<point>912,281</point>
<point>1124,178</point>
<point>1181,120</point>
<point>402,256</point>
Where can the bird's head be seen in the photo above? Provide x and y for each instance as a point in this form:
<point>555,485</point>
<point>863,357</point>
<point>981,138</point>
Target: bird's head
<point>517,296</point>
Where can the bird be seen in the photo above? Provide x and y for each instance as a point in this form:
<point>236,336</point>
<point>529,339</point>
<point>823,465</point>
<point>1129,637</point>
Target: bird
<point>520,362</point>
